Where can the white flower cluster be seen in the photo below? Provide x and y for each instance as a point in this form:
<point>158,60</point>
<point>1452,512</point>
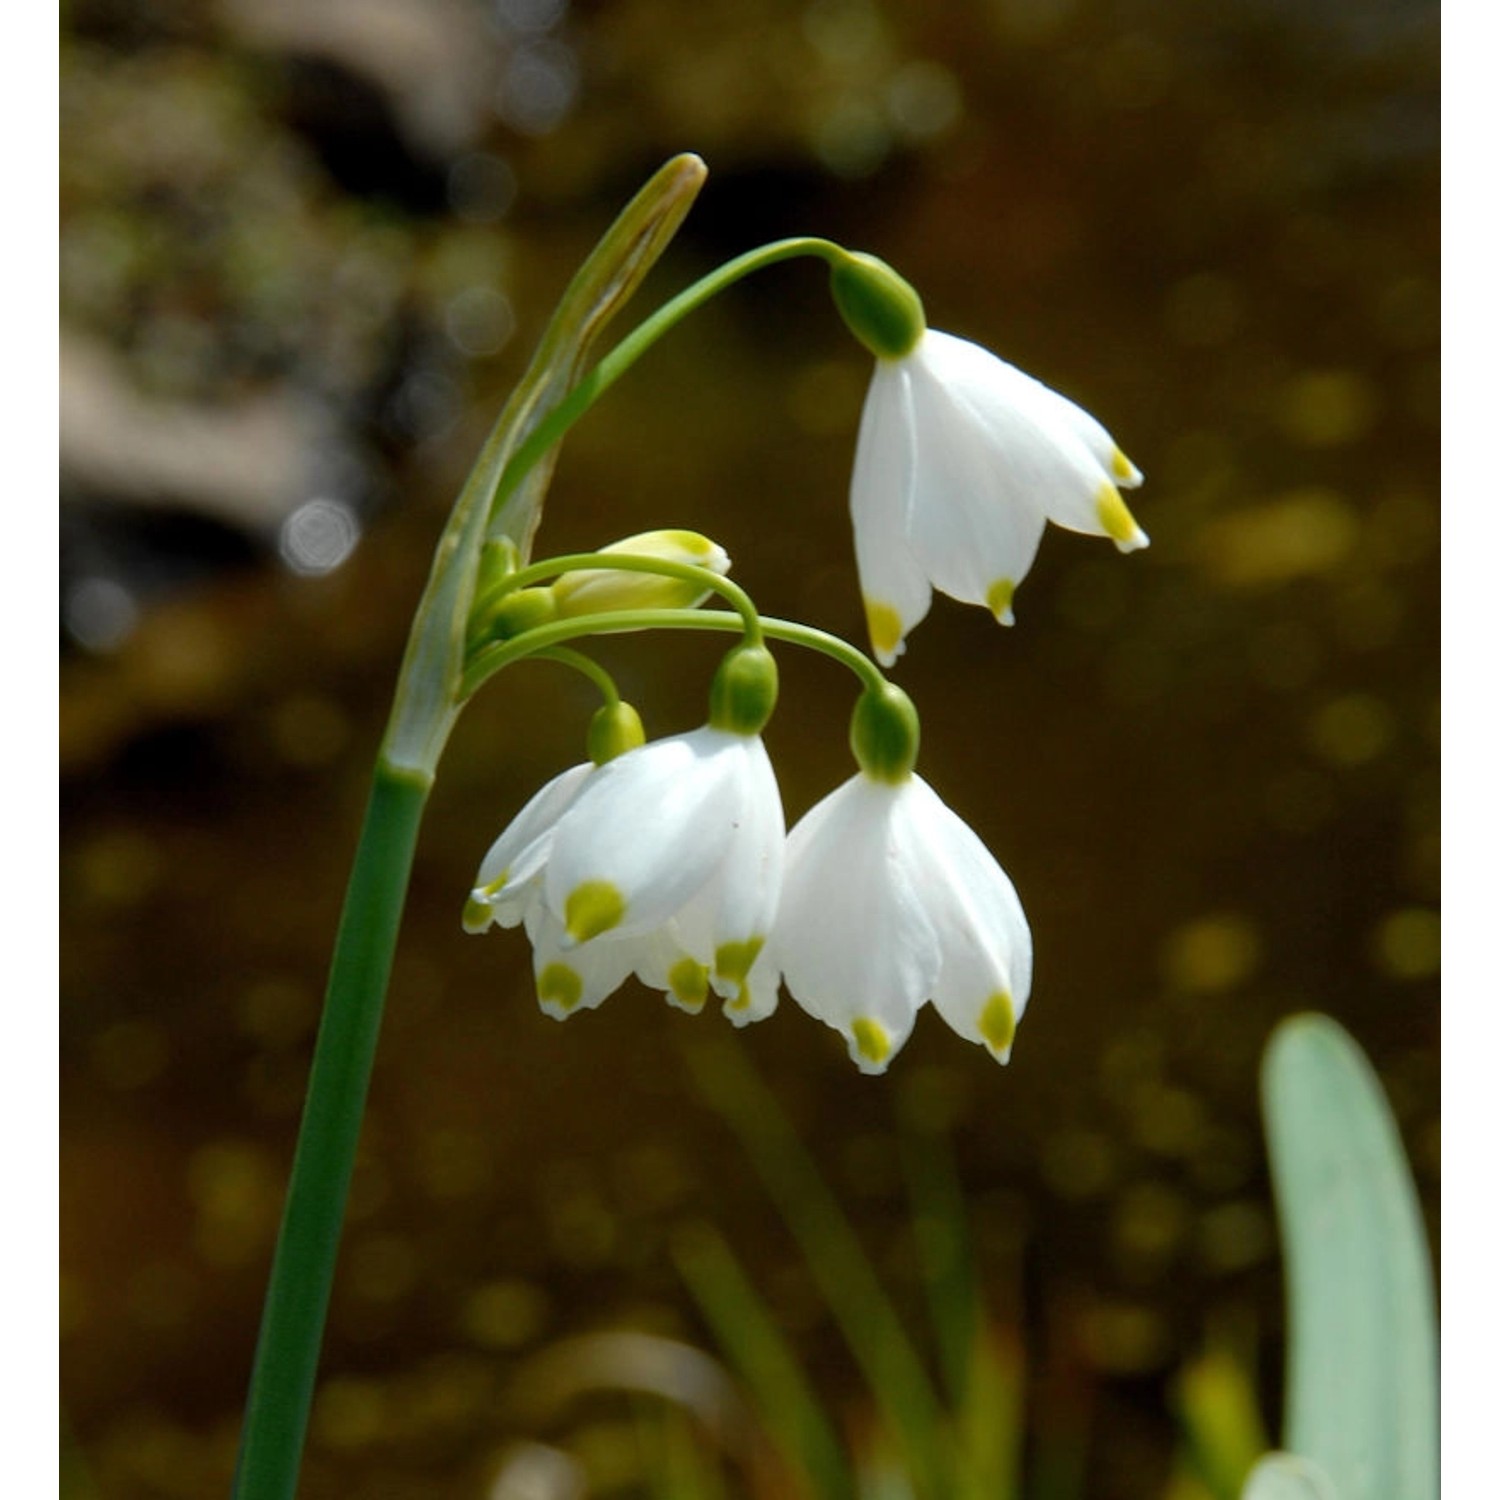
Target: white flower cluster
<point>672,862</point>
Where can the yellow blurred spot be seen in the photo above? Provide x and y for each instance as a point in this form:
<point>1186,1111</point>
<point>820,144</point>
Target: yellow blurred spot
<point>689,983</point>
<point>1125,1339</point>
<point>1121,467</point>
<point>885,626</point>
<point>1352,730</point>
<point>130,1054</point>
<point>1212,954</point>
<point>504,1314</point>
<point>871,1040</point>
<point>277,1012</point>
<point>1408,943</point>
<point>592,908</point>
<point>477,915</point>
<point>1305,531</point>
<point>1205,310</point>
<point>1114,516</point>
<point>1078,1163</point>
<point>350,1412</point>
<point>237,1193</point>
<point>997,1024</point>
<point>998,597</point>
<point>560,985</point>
<point>1327,408</point>
<point>119,868</point>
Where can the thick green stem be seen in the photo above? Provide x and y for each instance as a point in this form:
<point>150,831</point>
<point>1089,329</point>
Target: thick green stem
<point>291,1332</point>
<point>619,359</point>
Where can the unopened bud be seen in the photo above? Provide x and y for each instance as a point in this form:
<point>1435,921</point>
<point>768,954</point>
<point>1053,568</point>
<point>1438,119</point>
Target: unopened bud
<point>591,591</point>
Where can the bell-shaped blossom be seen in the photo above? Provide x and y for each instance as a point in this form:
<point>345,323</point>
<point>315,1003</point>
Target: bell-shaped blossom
<point>666,862</point>
<point>891,900</point>
<point>961,461</point>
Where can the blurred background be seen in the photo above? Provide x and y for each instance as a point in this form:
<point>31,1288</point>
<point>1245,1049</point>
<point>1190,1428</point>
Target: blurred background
<point>305,250</point>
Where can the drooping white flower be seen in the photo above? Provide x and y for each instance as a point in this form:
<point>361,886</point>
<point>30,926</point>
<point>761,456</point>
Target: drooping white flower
<point>891,900</point>
<point>666,861</point>
<point>960,462</point>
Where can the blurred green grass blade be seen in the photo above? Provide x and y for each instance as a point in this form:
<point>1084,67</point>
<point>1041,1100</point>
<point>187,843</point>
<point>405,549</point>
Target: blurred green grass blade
<point>749,1337</point>
<point>674,1457</point>
<point>848,1283</point>
<point>1282,1476</point>
<point>1217,1408</point>
<point>989,1428</point>
<point>1361,1397</point>
<point>940,1226</point>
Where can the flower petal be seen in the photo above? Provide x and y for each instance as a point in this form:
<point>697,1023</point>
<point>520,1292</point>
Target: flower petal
<point>647,832</point>
<point>503,886</point>
<point>985,978</point>
<point>749,881</point>
<point>1047,453</point>
<point>855,947</point>
<point>896,591</point>
<point>570,977</point>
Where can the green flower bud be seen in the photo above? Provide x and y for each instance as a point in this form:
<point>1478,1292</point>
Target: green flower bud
<point>615,729</point>
<point>744,691</point>
<point>882,309</point>
<point>498,559</point>
<point>590,591</point>
<point>512,614</point>
<point>884,733</point>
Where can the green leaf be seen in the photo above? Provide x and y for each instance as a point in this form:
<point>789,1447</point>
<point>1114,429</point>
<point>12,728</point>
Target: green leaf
<point>1361,1399</point>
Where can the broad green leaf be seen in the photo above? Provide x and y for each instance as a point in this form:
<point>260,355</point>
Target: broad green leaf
<point>1361,1399</point>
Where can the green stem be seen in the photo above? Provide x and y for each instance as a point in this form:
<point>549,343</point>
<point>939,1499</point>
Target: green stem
<point>619,359</point>
<point>296,1308</point>
<point>588,667</point>
<point>485,663</point>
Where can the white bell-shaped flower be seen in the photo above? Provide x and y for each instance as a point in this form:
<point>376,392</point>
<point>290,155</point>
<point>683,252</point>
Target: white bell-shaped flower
<point>666,861</point>
<point>961,461</point>
<point>891,900</point>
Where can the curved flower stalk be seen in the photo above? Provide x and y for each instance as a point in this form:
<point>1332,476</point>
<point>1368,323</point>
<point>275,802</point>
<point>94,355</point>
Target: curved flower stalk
<point>960,462</point>
<point>890,900</point>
